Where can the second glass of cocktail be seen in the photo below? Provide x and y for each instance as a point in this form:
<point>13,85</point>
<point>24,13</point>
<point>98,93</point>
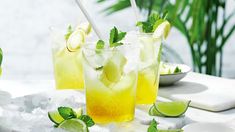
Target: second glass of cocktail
<point>110,77</point>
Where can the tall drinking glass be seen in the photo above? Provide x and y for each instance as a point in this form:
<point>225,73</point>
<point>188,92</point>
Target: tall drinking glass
<point>148,73</point>
<point>110,82</point>
<point>68,70</point>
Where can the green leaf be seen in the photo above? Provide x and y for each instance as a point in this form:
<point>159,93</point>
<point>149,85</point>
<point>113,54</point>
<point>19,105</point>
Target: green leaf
<point>153,126</point>
<point>67,113</point>
<point>1,57</point>
<point>121,35</point>
<point>69,32</point>
<point>177,70</point>
<point>88,120</point>
<point>115,37</point>
<point>99,46</point>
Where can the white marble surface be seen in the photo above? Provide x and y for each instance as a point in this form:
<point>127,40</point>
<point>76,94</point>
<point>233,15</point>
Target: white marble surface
<point>25,40</point>
<point>22,88</point>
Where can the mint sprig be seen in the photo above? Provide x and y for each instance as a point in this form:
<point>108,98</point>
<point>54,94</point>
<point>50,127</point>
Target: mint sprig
<point>115,37</point>
<point>67,113</point>
<point>153,128</point>
<point>88,120</point>
<point>153,21</point>
<point>177,70</point>
<point>69,32</point>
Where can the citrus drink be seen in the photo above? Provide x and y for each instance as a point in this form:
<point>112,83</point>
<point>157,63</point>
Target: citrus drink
<point>110,83</point>
<point>148,74</point>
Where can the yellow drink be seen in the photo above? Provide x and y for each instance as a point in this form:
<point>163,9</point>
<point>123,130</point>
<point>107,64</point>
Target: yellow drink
<point>148,74</point>
<point>110,83</point>
<point>68,69</point>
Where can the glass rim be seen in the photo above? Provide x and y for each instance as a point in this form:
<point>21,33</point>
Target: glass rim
<point>126,44</point>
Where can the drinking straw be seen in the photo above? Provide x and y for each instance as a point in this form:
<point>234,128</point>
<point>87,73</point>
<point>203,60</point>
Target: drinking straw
<point>135,9</point>
<point>80,5</point>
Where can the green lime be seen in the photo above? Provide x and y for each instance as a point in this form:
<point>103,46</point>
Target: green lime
<point>153,111</point>
<point>55,117</point>
<point>73,125</point>
<point>171,109</point>
<point>162,30</point>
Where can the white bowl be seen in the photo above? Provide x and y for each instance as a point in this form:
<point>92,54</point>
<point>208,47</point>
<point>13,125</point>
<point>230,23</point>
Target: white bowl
<point>207,127</point>
<point>169,79</point>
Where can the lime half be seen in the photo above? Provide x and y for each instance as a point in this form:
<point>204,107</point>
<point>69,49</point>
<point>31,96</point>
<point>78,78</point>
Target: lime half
<point>55,117</point>
<point>169,109</point>
<point>73,125</point>
<point>162,30</point>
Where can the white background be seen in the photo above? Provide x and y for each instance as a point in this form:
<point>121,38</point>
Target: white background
<point>25,40</point>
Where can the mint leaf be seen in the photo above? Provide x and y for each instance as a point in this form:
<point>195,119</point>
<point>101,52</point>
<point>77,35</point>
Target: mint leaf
<point>69,32</point>
<point>177,70</point>
<point>153,21</point>
<point>99,46</point>
<point>67,113</point>
<point>0,56</point>
<point>87,119</point>
<point>153,126</point>
<point>115,37</point>
<point>121,36</point>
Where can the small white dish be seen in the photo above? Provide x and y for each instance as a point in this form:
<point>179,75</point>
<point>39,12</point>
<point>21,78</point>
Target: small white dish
<point>207,127</point>
<point>169,79</point>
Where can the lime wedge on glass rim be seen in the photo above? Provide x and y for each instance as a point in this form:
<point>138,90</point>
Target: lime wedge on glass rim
<point>55,117</point>
<point>162,30</point>
<point>73,125</point>
<point>76,40</point>
<point>169,109</point>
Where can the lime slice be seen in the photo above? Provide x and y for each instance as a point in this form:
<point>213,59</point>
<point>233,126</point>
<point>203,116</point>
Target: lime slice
<point>55,117</point>
<point>162,30</point>
<point>113,68</point>
<point>76,40</point>
<point>73,125</point>
<point>86,27</point>
<point>170,109</point>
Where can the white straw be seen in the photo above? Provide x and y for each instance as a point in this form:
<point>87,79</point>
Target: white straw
<point>78,2</point>
<point>135,9</point>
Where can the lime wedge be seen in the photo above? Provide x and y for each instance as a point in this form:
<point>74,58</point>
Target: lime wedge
<point>76,40</point>
<point>153,111</point>
<point>113,67</point>
<point>162,30</point>
<point>55,117</point>
<point>73,125</point>
<point>86,27</point>
<point>169,109</point>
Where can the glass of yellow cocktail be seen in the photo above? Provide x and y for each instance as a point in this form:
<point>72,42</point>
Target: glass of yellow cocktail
<point>148,73</point>
<point>110,81</point>
<point>67,56</point>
